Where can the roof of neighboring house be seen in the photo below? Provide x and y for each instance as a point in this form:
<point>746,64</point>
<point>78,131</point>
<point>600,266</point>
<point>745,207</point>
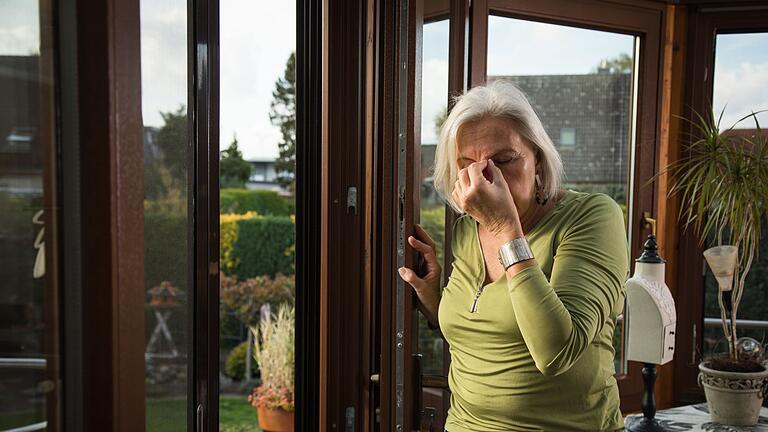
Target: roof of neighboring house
<point>592,110</point>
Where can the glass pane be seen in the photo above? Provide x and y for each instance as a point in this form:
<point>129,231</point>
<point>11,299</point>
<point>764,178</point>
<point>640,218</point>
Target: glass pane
<point>741,74</point>
<point>257,172</point>
<point>580,83</point>
<point>166,220</point>
<point>740,87</point>
<point>434,102</point>
<point>29,328</point>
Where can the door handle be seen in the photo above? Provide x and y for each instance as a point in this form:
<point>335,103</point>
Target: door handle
<point>649,222</point>
<point>200,418</point>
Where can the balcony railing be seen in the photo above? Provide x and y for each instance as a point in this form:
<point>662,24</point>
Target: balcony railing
<point>741,323</point>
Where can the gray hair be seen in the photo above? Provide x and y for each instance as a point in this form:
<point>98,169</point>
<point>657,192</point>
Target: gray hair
<point>500,99</point>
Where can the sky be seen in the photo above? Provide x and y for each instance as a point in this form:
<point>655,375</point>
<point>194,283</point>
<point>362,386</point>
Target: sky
<point>258,37</point>
<point>256,40</point>
<point>741,78</point>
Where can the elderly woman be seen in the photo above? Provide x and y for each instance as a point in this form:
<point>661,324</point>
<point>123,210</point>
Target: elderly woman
<point>530,307</point>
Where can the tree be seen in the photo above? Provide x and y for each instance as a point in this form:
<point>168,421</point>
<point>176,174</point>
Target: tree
<point>283,115</point>
<point>165,169</point>
<point>234,171</point>
<point>172,141</point>
<point>623,63</point>
<point>439,119</point>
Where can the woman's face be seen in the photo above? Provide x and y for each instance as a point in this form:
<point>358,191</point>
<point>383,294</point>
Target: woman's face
<point>496,139</point>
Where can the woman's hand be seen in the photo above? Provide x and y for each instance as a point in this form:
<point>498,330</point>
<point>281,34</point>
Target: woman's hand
<point>482,192</point>
<point>428,287</point>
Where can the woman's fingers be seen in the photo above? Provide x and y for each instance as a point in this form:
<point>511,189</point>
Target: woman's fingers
<point>424,236</point>
<point>410,276</point>
<point>456,194</point>
<point>496,172</point>
<point>463,178</point>
<point>427,250</point>
<point>476,176</point>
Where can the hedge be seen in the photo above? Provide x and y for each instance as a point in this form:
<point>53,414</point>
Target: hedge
<point>263,247</point>
<point>263,202</point>
<point>228,232</point>
<point>433,222</point>
<point>166,252</point>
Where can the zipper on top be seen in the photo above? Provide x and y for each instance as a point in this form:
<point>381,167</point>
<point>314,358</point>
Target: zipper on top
<point>481,287</point>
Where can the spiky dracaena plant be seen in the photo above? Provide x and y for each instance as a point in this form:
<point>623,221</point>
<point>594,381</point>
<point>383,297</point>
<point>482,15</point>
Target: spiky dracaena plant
<point>274,353</point>
<point>723,186</point>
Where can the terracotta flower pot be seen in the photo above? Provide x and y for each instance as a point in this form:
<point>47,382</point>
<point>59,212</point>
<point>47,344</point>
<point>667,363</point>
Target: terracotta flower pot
<point>275,420</point>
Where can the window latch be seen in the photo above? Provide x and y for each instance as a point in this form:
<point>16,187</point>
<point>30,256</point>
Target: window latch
<point>352,199</point>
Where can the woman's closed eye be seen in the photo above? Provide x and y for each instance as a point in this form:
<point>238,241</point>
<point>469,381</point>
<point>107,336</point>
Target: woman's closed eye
<point>504,160</point>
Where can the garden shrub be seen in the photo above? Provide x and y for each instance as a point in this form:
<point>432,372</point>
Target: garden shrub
<point>433,222</point>
<point>228,230</point>
<point>165,247</point>
<point>235,365</point>
<point>263,202</point>
<point>263,247</point>
<point>244,299</point>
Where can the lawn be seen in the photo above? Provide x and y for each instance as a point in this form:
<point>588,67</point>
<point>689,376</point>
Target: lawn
<point>10,420</point>
<point>235,415</point>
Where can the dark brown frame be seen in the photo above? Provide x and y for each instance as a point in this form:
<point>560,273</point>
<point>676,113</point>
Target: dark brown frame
<point>109,135</point>
<point>309,42</point>
<point>203,207</point>
<point>644,19</point>
<point>345,323</point>
<point>705,21</point>
<point>111,143</point>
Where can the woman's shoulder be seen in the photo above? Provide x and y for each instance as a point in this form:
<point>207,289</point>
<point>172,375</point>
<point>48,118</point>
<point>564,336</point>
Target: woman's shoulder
<point>462,234</point>
<point>593,211</point>
<point>584,204</point>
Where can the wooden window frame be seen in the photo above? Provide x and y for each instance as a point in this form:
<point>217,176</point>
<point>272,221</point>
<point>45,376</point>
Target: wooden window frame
<point>705,19</point>
<point>309,72</point>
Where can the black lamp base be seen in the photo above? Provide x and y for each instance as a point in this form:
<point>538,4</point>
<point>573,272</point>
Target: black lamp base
<point>648,422</point>
<point>642,424</point>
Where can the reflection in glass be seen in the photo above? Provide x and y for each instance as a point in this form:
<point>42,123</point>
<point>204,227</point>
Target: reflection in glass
<point>166,219</point>
<point>580,83</point>
<point>740,87</point>
<point>29,328</point>
<point>434,102</point>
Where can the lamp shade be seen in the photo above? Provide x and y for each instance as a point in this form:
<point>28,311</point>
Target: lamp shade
<point>722,261</point>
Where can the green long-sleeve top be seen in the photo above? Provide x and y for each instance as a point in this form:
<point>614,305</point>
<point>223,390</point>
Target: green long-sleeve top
<point>538,354</point>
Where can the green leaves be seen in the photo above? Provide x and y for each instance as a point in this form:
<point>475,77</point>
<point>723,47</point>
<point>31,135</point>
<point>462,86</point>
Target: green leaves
<point>722,182</point>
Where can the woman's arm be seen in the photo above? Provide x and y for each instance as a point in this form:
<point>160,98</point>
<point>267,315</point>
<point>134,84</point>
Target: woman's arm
<point>559,318</point>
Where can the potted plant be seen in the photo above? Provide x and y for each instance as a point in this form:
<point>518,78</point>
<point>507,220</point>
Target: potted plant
<point>723,186</point>
<point>273,351</point>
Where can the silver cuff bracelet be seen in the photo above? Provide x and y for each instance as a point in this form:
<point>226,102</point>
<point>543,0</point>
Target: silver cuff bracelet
<point>514,252</point>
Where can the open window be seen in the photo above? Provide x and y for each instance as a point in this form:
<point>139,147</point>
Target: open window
<point>592,74</point>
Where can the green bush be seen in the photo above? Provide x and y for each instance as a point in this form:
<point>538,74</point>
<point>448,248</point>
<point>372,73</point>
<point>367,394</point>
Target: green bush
<point>433,222</point>
<point>235,366</point>
<point>262,247</point>
<point>244,299</point>
<point>262,202</point>
<point>165,247</point>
